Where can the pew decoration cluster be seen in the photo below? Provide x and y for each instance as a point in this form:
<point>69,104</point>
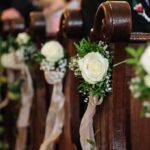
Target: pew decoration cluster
<point>15,58</point>
<point>93,66</point>
<point>140,84</point>
<point>53,62</point>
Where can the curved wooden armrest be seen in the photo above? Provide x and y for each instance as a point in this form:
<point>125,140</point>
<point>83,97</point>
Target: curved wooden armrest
<point>113,22</point>
<point>13,26</point>
<point>6,27</point>
<point>17,25</point>
<point>37,23</point>
<point>71,23</point>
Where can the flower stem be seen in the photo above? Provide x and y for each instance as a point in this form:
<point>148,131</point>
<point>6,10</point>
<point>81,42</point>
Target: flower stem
<point>120,63</point>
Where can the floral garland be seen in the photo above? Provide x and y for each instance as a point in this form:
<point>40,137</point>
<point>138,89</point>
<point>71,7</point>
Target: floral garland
<point>140,84</point>
<point>53,62</point>
<point>16,54</point>
<point>93,65</point>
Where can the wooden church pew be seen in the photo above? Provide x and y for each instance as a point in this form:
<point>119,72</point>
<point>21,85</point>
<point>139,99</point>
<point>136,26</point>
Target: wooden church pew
<point>121,112</point>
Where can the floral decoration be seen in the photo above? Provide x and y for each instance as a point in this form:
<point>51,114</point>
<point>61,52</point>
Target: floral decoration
<point>53,62</point>
<point>53,58</point>
<point>93,64</point>
<point>140,84</point>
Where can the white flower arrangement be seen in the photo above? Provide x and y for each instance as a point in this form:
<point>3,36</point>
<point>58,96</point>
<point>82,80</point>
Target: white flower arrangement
<point>17,51</point>
<point>93,64</point>
<point>25,47</point>
<point>140,84</point>
<point>52,58</point>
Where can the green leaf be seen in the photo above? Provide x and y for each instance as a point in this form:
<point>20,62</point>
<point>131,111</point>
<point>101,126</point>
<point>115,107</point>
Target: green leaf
<point>140,51</point>
<point>131,61</point>
<point>131,51</point>
<point>1,118</point>
<point>3,79</point>
<point>91,142</point>
<point>38,57</point>
<point>1,145</point>
<point>6,145</point>
<point>1,130</point>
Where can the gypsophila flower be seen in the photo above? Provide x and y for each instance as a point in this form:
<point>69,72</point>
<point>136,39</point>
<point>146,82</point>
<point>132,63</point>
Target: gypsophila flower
<point>48,66</point>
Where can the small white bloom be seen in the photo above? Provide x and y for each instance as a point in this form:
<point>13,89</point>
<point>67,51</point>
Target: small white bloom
<point>147,115</point>
<point>147,80</point>
<point>93,67</point>
<point>22,38</point>
<point>145,60</point>
<point>53,51</point>
<point>10,61</point>
<point>146,104</point>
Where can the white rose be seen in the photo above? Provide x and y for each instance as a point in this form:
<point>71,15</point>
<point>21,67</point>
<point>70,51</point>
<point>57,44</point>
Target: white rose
<point>93,67</point>
<point>53,51</point>
<point>145,60</point>
<point>8,60</point>
<point>147,80</point>
<point>22,38</point>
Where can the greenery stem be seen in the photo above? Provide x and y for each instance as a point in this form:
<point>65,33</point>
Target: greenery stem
<point>120,63</point>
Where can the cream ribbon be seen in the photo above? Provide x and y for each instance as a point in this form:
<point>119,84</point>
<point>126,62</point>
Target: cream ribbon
<point>55,116</point>
<point>86,126</point>
<point>27,94</point>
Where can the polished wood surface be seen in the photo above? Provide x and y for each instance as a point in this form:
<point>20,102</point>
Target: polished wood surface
<point>117,123</point>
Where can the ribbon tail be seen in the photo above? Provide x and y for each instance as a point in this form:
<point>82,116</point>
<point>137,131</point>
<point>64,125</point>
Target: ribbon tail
<point>87,138</point>
<point>86,128</point>
<point>21,139</point>
<point>24,114</point>
<point>55,118</point>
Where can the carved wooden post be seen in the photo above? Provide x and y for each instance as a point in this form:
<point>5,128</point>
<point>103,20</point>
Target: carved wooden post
<point>120,122</point>
<point>17,26</point>
<point>37,26</point>
<point>5,27</point>
<point>71,28</point>
<point>13,26</point>
<point>42,90</point>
